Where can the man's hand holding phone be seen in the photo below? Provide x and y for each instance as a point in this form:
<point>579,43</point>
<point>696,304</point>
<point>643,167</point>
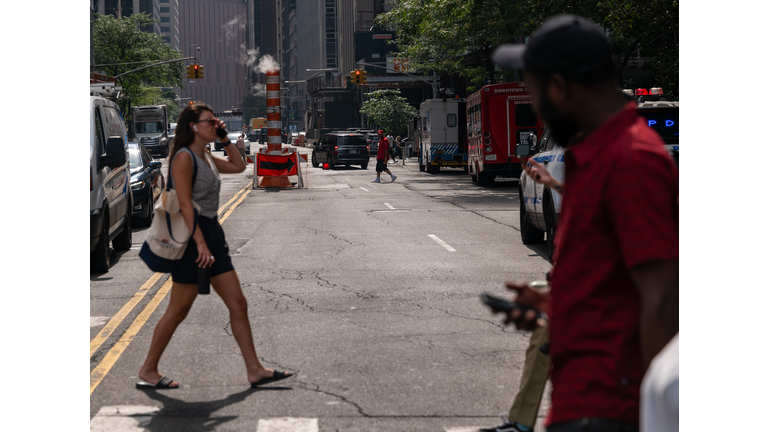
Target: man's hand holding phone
<point>533,307</point>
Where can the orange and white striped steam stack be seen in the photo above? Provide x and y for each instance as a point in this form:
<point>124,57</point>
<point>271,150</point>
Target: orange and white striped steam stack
<point>274,124</point>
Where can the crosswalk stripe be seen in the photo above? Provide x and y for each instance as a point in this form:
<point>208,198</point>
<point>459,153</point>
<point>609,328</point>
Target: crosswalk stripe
<point>288,424</point>
<point>123,418</point>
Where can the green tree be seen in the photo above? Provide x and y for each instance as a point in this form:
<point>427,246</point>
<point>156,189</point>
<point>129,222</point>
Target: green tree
<point>458,36</point>
<point>648,28</point>
<point>122,41</point>
<point>388,110</point>
<point>455,36</point>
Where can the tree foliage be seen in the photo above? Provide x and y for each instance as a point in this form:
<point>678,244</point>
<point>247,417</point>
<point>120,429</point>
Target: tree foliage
<point>388,110</point>
<point>458,36</point>
<point>122,41</point>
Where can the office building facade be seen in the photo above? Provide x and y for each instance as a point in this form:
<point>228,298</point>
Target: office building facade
<point>219,29</point>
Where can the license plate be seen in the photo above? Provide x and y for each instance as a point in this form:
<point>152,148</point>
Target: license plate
<point>353,151</point>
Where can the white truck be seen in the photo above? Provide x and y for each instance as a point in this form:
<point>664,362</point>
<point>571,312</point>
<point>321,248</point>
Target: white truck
<point>150,127</point>
<point>443,140</point>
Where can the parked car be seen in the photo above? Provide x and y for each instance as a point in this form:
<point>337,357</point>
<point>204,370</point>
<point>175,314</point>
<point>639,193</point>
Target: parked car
<point>263,135</point>
<point>373,142</point>
<point>111,200</point>
<point>540,206</point>
<point>341,148</point>
<point>147,181</point>
<point>254,135</point>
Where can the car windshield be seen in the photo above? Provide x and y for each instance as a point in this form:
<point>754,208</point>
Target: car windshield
<point>149,127</point>
<point>374,138</point>
<point>351,141</point>
<point>135,159</point>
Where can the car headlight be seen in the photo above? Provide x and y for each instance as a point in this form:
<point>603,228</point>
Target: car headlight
<point>138,185</point>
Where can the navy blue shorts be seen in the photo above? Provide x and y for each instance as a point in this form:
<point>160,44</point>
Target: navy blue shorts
<point>186,273</point>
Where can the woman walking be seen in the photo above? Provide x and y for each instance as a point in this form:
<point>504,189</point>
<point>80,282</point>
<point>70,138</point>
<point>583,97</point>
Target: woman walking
<point>207,248</point>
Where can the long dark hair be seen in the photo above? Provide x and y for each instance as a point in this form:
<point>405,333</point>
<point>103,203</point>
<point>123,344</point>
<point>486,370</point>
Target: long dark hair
<point>184,133</point>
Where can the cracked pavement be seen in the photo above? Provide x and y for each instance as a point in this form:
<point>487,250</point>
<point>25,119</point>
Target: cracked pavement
<point>383,325</point>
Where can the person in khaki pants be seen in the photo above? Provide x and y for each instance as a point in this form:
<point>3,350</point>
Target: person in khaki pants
<point>525,408</point>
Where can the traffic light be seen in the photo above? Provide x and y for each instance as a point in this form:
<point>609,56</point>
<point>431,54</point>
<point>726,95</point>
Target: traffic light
<point>190,71</point>
<point>200,72</point>
<point>357,76</point>
<point>363,77</point>
<point>196,71</point>
<point>352,77</point>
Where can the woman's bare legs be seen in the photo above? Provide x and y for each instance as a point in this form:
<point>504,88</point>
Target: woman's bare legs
<point>182,297</point>
<point>227,285</point>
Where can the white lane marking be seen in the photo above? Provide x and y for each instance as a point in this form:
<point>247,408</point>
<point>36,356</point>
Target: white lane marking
<point>98,321</point>
<point>462,429</point>
<point>364,189</point>
<point>123,418</point>
<point>442,243</point>
<point>388,205</point>
<point>288,424</point>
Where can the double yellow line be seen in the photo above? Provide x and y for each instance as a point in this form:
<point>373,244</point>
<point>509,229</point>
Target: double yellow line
<point>117,350</point>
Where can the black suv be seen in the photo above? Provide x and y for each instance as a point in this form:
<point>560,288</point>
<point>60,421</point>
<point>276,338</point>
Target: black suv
<point>341,148</point>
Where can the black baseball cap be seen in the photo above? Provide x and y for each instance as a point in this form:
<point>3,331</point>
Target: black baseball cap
<point>570,45</point>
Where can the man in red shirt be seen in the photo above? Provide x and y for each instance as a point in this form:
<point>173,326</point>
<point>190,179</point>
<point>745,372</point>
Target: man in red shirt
<point>613,303</point>
<point>382,156</point>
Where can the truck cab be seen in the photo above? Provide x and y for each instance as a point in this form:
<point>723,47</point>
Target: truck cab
<point>150,127</point>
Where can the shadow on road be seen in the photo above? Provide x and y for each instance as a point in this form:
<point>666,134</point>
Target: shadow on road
<point>176,414</point>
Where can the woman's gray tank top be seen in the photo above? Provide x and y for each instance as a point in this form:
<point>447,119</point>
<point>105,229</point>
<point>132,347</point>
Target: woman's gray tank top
<point>205,191</point>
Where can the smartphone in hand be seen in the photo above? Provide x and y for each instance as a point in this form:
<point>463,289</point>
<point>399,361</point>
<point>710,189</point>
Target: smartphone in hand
<point>506,306</point>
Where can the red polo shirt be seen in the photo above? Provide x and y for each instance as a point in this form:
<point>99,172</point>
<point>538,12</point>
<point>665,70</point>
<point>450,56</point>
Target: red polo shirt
<point>619,210</point>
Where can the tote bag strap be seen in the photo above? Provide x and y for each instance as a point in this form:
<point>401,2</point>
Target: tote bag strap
<point>168,187</point>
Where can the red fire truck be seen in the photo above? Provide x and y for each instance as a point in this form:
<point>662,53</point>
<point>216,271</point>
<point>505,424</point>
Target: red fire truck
<point>499,116</point>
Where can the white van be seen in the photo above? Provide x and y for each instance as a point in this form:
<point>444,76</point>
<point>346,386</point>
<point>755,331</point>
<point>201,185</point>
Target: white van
<point>111,198</point>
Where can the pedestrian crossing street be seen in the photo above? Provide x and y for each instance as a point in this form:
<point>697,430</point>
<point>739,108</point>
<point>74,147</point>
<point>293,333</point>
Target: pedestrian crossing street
<point>137,418</point>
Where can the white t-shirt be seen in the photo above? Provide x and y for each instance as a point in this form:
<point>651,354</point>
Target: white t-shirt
<point>660,391</point>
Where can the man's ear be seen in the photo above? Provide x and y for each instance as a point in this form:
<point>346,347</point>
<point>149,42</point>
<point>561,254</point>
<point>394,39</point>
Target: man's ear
<point>558,89</point>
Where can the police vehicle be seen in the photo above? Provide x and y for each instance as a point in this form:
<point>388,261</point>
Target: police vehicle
<point>540,206</point>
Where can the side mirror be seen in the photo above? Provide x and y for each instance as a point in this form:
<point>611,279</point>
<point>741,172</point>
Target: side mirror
<point>155,164</point>
<point>532,140</point>
<point>522,150</point>
<point>115,156</point>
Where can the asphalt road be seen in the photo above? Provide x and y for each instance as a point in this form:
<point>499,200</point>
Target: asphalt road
<point>368,291</point>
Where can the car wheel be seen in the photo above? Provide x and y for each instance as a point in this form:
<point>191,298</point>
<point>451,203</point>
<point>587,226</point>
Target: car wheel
<point>364,166</point>
<point>528,233</point>
<point>550,219</point>
<point>346,165</point>
<point>100,259</point>
<point>422,168</point>
<point>433,169</point>
<point>124,240</point>
<point>150,210</point>
<point>482,180</point>
<point>315,163</point>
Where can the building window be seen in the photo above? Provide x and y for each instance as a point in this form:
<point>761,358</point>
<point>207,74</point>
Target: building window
<point>165,9</point>
<point>165,19</point>
<point>164,1</point>
<point>165,29</point>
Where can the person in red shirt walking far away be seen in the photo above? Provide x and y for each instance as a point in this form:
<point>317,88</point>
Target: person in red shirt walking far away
<point>614,286</point>
<point>382,155</point>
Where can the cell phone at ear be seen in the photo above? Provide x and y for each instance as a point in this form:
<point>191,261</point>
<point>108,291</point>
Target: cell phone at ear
<point>221,132</point>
